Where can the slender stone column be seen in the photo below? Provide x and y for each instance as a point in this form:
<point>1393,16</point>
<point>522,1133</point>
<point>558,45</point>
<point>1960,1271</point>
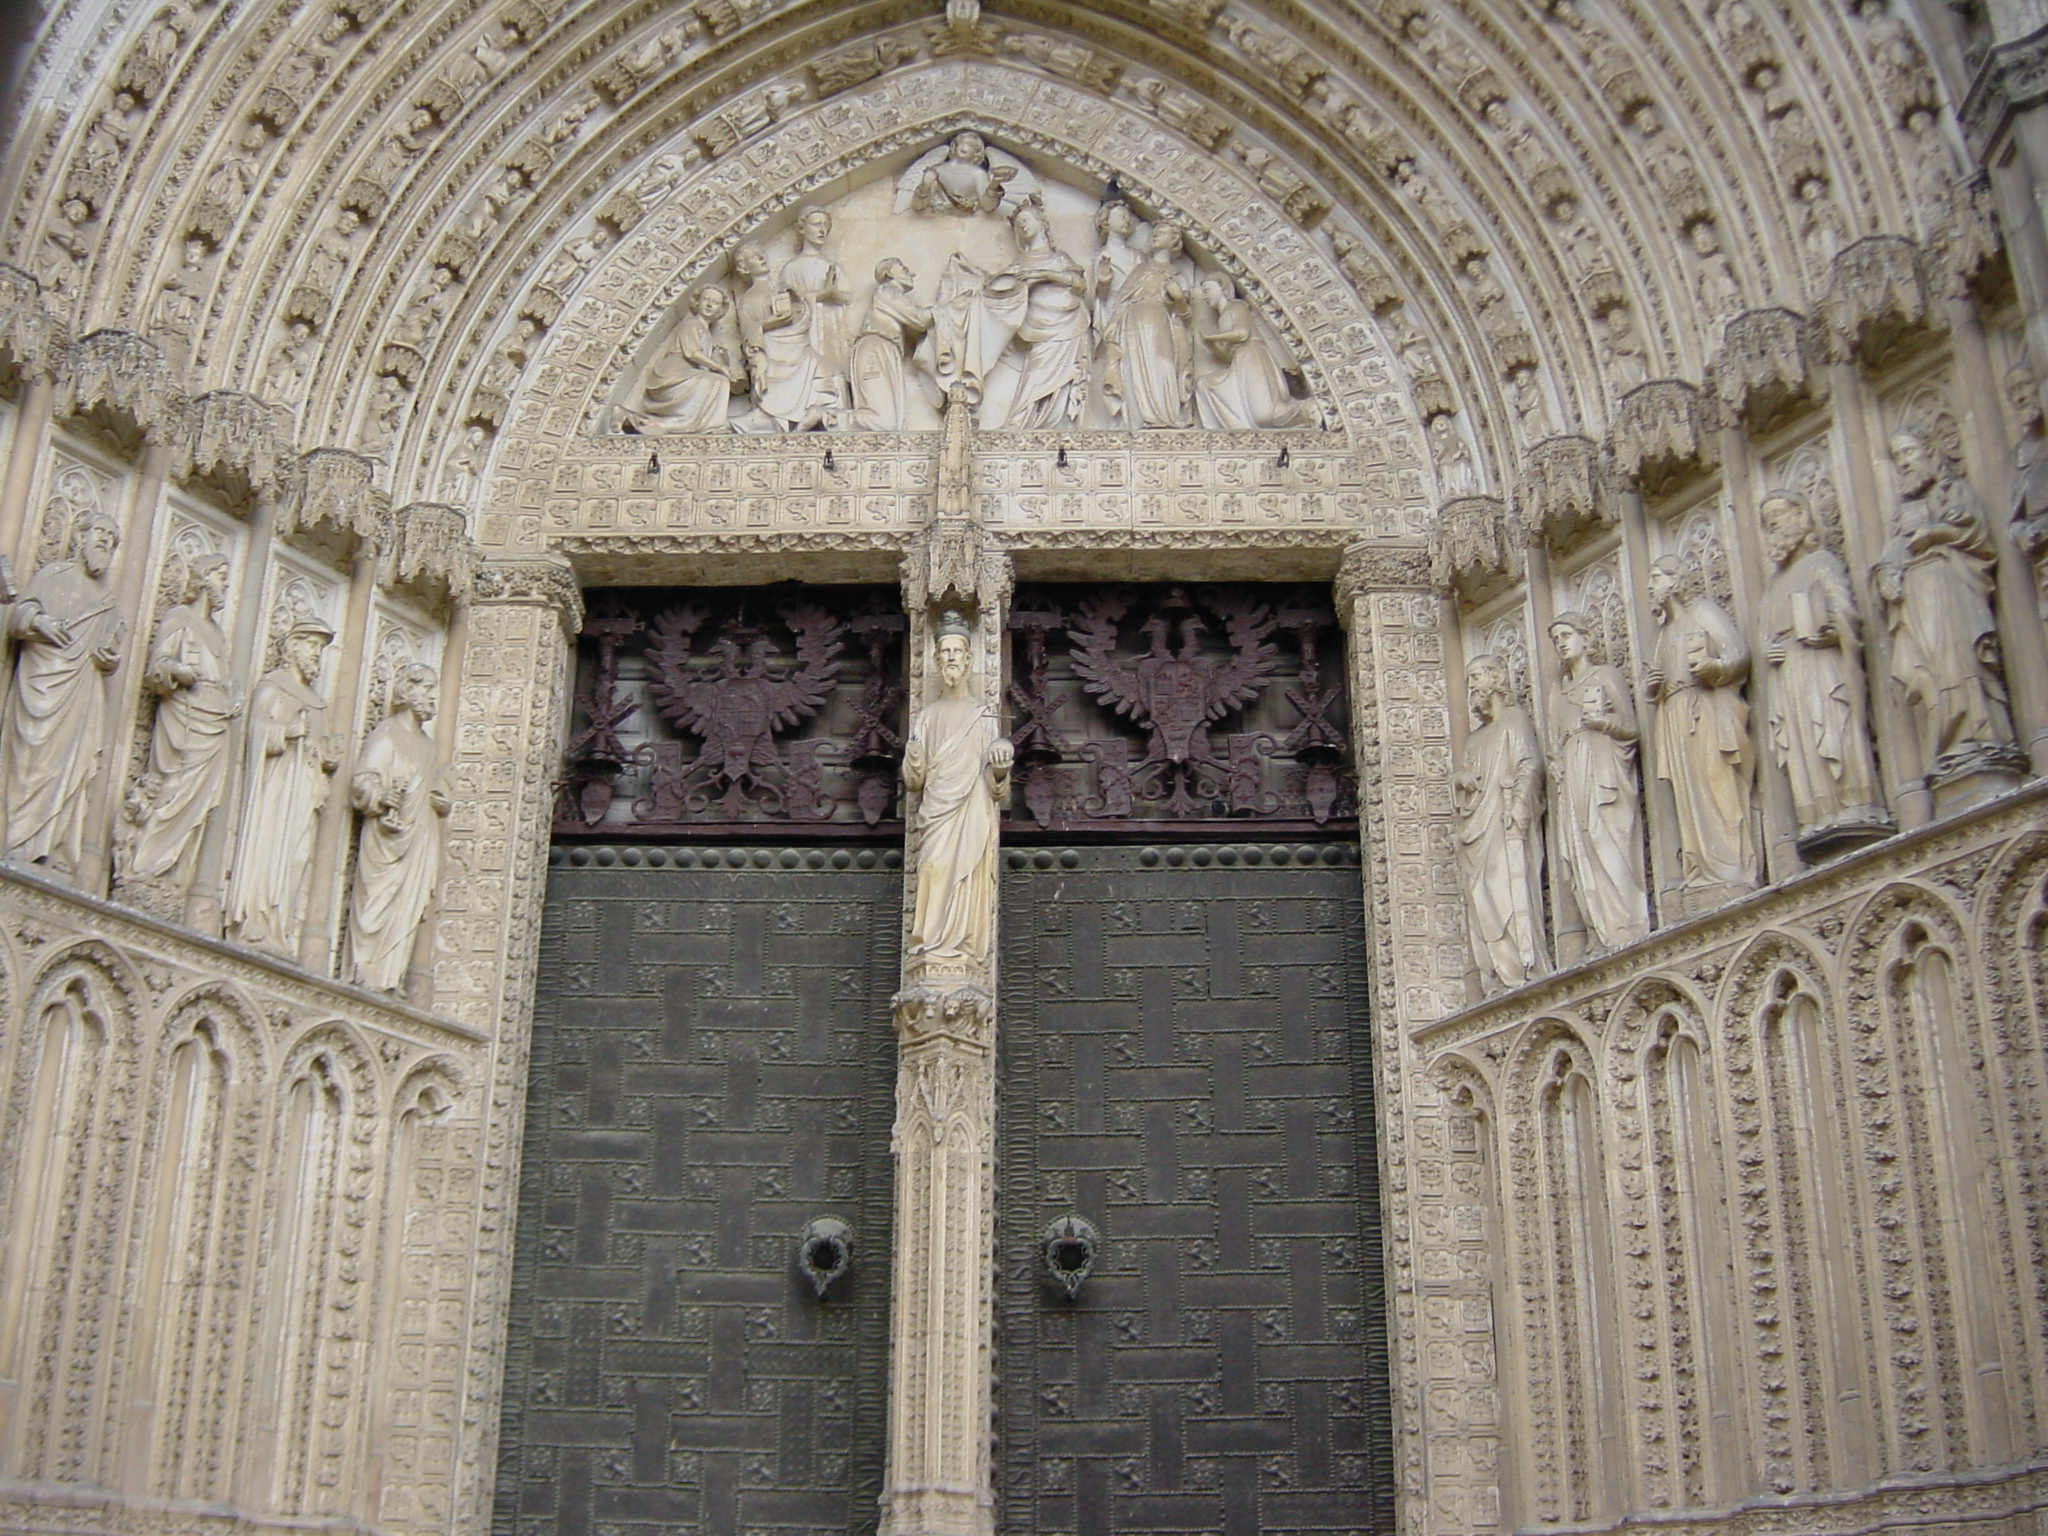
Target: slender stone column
<point>956,585</point>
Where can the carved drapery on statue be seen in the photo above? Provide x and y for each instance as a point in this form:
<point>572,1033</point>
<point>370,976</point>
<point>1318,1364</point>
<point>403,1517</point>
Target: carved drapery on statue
<point>1158,706</point>
<point>1052,307</point>
<point>704,711</point>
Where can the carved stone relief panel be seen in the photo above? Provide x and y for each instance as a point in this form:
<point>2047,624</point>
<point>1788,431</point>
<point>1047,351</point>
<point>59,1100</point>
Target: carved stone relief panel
<point>704,711</point>
<point>1171,706</point>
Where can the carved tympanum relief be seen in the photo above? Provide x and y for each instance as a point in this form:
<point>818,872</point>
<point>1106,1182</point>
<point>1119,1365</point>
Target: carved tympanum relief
<point>1052,308</point>
<point>69,635</point>
<point>1936,580</point>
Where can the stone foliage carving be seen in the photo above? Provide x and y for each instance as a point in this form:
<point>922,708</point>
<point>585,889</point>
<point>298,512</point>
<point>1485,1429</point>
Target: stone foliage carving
<point>1936,582</point>
<point>1499,795</point>
<point>1597,821</point>
<point>1702,731</point>
<point>69,635</point>
<point>398,790</point>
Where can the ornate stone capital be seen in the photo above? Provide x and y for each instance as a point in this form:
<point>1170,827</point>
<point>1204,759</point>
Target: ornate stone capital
<point>1475,551</point>
<point>1661,435</point>
<point>1564,497</point>
<point>547,581</point>
<point>963,1013</point>
<point>955,560</point>
<point>429,543</point>
<point>1769,365</point>
<point>1877,297</point>
<point>334,487</point>
<point>1369,567</point>
<point>126,374</point>
<point>235,436</point>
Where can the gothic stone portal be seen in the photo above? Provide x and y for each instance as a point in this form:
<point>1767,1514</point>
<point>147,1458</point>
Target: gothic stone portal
<point>712,1071</point>
<point>1186,1066</point>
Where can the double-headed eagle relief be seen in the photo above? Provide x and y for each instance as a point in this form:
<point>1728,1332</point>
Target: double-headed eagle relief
<point>970,273</point>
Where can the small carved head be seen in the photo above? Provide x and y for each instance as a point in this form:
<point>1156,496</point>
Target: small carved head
<point>99,535</point>
<point>1915,460</point>
<point>208,574</point>
<point>813,224</point>
<point>1573,634</point>
<point>414,690</point>
<point>708,301</point>
<point>955,649</point>
<point>1486,684</point>
<point>749,260</point>
<point>1788,524</point>
<point>1028,223</point>
<point>1115,218</point>
<point>304,642</point>
<point>1667,579</point>
<point>894,272</point>
<point>2023,394</point>
<point>970,147</point>
<point>1167,236</point>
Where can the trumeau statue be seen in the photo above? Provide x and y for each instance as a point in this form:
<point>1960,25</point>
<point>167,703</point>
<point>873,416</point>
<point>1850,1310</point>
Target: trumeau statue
<point>957,760</point>
<point>397,789</point>
<point>1815,699</point>
<point>1936,581</point>
<point>291,759</point>
<point>1598,826</point>
<point>190,672</point>
<point>1702,731</point>
<point>68,637</point>
<point>1128,332</point>
<point>1498,793</point>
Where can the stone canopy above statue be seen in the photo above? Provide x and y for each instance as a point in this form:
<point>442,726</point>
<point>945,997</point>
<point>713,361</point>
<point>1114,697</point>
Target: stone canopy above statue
<point>965,270</point>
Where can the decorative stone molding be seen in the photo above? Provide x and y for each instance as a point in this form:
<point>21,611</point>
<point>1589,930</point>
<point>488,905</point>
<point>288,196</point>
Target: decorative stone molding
<point>1563,497</point>
<point>1877,298</point>
<point>233,436</point>
<point>127,375</point>
<point>2012,78</point>
<point>1476,551</point>
<point>547,582</point>
<point>1661,435</point>
<point>1369,567</point>
<point>1769,366</point>
<point>337,489</point>
<point>429,542</point>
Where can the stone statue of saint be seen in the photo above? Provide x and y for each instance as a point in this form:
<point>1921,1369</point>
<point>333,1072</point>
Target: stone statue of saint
<point>1147,372</point>
<point>1498,793</point>
<point>1247,389</point>
<point>1597,828</point>
<point>1702,730</point>
<point>189,671</point>
<point>1125,244</point>
<point>68,637</point>
<point>397,789</point>
<point>793,389</point>
<point>817,281</point>
<point>957,760</point>
<point>1017,341</point>
<point>1815,698</point>
<point>291,760</point>
<point>880,377</point>
<point>1936,581</point>
<point>2030,476</point>
<point>691,382</point>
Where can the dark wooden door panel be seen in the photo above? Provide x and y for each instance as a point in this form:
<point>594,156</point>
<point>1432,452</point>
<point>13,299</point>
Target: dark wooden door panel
<point>712,1068</point>
<point>1186,1064</point>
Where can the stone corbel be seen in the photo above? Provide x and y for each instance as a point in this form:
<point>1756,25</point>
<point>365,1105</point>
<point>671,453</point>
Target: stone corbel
<point>1877,300</point>
<point>962,1015</point>
<point>237,443</point>
<point>30,335</point>
<point>1475,554</point>
<point>124,380</point>
<point>1662,435</point>
<point>1564,497</point>
<point>1769,367</point>
<point>334,488</point>
<point>429,546</point>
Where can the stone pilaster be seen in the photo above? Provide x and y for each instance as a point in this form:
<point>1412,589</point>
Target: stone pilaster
<point>939,1481</point>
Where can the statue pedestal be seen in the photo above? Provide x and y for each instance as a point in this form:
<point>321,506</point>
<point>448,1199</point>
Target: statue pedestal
<point>1844,836</point>
<point>1974,783</point>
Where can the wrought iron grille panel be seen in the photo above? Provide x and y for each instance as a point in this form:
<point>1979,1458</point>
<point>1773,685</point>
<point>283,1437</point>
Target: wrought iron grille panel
<point>710,1072</point>
<point>711,712</point>
<point>1186,1064</point>
<point>1157,711</point>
